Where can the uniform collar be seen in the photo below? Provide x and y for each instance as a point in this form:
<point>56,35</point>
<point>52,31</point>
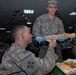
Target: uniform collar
<point>18,46</point>
<point>50,18</point>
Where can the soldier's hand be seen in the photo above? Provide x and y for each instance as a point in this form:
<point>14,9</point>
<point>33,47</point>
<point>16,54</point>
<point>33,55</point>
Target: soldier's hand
<point>52,43</point>
<point>39,39</point>
<point>61,39</point>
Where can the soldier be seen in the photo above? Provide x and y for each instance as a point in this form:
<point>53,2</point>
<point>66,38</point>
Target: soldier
<point>18,61</point>
<point>48,24</point>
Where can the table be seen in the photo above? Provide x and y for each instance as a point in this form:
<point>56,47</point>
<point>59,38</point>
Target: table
<point>56,71</point>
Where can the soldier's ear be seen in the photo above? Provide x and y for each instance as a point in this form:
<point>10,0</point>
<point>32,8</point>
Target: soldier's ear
<point>22,35</point>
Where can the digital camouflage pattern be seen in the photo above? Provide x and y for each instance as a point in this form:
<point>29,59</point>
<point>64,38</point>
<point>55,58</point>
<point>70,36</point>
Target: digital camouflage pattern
<point>45,26</point>
<point>8,67</point>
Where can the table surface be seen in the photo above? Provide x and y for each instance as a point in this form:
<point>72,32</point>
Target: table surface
<point>56,71</point>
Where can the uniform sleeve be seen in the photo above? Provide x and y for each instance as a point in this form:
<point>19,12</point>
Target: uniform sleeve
<point>7,66</point>
<point>48,62</point>
<point>61,27</point>
<point>4,66</point>
<point>37,27</point>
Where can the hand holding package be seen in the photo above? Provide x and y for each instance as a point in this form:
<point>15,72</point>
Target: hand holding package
<point>39,39</point>
<point>61,39</point>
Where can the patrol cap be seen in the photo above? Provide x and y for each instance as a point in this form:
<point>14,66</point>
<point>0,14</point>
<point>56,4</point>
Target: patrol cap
<point>52,3</point>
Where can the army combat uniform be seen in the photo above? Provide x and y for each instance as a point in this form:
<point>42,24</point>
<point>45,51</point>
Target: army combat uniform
<point>45,26</point>
<point>10,66</point>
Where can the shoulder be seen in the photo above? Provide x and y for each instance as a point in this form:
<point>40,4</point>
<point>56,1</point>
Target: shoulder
<point>30,52</point>
<point>6,57</point>
<point>42,17</point>
<point>58,19</point>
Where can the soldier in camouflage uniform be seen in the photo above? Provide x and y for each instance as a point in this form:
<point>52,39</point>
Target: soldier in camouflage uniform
<point>12,63</point>
<point>49,24</point>
<point>45,26</point>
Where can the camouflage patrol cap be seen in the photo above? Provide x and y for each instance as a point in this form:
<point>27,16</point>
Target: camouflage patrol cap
<point>52,3</point>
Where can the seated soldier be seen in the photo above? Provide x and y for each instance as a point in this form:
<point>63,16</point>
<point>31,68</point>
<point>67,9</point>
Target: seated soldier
<point>18,61</point>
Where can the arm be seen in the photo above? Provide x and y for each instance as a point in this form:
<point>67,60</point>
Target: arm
<point>61,27</point>
<point>7,66</point>
<point>37,27</point>
<point>48,62</point>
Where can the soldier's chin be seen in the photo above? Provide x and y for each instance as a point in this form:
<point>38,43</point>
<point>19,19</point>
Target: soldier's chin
<point>30,41</point>
<point>52,14</point>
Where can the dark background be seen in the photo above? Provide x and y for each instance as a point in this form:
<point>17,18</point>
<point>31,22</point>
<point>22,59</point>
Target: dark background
<point>9,16</point>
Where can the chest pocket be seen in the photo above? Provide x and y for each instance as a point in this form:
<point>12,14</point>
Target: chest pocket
<point>54,27</point>
<point>46,29</point>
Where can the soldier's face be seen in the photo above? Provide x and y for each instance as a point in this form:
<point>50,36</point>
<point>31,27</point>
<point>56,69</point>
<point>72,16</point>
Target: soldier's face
<point>52,10</point>
<point>27,36</point>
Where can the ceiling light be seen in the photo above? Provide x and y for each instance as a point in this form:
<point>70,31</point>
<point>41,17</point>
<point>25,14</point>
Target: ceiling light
<point>27,11</point>
<point>29,22</point>
<point>2,28</point>
<point>73,13</point>
<point>8,31</point>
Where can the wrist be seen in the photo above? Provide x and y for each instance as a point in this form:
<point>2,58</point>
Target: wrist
<point>50,48</point>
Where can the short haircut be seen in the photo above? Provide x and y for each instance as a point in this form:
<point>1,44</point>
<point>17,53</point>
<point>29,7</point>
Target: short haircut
<point>15,31</point>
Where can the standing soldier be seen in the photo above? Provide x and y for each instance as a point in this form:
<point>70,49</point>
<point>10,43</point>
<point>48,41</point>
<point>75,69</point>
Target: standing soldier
<point>48,24</point>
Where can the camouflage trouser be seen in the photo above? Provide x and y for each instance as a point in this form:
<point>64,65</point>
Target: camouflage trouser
<point>43,51</point>
<point>58,51</point>
<point>74,51</point>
